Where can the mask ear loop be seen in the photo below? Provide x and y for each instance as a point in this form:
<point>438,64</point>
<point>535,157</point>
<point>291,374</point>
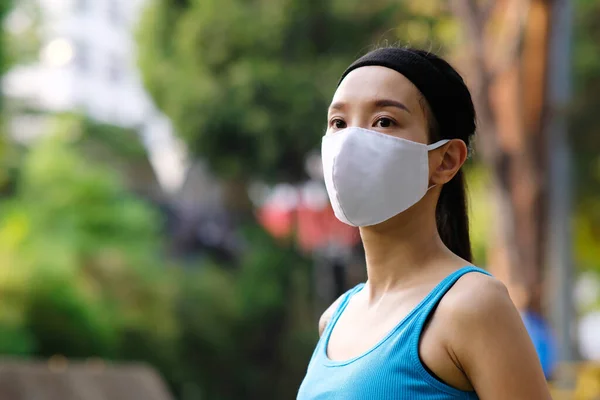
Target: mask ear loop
<point>435,146</point>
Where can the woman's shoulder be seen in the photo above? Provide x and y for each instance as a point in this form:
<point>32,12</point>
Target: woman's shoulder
<point>479,309</point>
<point>484,332</point>
<point>328,315</point>
<point>476,296</point>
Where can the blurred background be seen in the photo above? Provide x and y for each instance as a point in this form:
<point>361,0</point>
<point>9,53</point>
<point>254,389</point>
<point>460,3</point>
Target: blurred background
<point>164,229</point>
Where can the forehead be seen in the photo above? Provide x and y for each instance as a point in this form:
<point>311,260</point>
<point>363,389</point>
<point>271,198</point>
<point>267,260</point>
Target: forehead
<point>375,82</point>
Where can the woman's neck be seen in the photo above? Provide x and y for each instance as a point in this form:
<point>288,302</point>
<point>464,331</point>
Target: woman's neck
<point>398,249</point>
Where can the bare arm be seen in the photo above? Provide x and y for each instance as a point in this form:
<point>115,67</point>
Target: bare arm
<point>493,346</point>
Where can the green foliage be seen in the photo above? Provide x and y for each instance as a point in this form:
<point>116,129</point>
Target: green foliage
<point>15,48</point>
<point>122,142</point>
<point>78,255</point>
<point>82,276</point>
<point>86,204</point>
<point>65,320</point>
<point>584,134</point>
<point>22,44</point>
<point>480,211</point>
<point>247,84</point>
<point>5,7</point>
<point>249,332</point>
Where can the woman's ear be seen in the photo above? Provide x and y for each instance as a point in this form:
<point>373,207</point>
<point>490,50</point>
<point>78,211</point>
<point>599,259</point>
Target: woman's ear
<point>445,162</point>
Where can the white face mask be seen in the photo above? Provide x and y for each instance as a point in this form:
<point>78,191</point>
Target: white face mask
<point>371,177</point>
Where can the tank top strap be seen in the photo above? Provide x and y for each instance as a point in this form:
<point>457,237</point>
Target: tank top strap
<point>419,320</point>
<point>436,295</point>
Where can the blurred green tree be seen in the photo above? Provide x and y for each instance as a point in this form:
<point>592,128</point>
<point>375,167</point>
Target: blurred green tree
<point>5,7</point>
<point>247,84</point>
<point>80,256</point>
<point>22,41</point>
<point>249,332</point>
<point>584,133</point>
<point>122,151</point>
<point>82,276</point>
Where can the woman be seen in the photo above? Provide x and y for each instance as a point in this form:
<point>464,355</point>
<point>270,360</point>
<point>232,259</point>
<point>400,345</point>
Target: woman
<point>426,324</point>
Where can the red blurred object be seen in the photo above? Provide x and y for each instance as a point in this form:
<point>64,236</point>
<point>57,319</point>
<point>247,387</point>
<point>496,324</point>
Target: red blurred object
<point>276,221</point>
<point>317,228</point>
<point>314,227</point>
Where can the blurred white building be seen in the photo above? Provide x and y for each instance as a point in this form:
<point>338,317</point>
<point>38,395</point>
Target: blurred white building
<point>87,63</point>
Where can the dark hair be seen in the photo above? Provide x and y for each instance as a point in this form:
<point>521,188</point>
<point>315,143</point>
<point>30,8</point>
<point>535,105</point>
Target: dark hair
<point>452,209</point>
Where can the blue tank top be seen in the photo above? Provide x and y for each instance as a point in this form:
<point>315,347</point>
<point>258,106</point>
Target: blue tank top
<point>392,369</point>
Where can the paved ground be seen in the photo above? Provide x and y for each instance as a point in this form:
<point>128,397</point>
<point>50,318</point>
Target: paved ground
<point>58,379</point>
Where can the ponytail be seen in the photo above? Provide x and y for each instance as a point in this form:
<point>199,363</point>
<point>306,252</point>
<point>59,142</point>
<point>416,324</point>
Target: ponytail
<point>452,214</point>
<point>452,217</point>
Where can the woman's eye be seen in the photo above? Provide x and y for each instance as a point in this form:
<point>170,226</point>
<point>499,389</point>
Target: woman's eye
<point>338,124</point>
<point>384,123</point>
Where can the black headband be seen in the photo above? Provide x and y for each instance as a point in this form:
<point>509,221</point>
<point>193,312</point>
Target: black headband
<point>435,86</point>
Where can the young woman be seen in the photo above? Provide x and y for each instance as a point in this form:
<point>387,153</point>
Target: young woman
<point>426,324</point>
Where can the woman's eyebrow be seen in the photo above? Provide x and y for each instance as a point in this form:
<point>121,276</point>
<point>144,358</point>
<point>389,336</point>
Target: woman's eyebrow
<point>390,103</point>
<point>337,106</point>
<point>381,103</point>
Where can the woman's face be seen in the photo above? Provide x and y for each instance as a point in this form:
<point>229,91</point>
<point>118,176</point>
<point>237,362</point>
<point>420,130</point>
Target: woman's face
<point>379,99</point>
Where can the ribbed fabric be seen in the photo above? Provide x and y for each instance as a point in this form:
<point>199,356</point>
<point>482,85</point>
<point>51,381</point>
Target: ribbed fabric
<point>392,369</point>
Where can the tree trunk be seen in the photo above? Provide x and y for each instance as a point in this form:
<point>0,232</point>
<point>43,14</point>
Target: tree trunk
<point>510,76</point>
